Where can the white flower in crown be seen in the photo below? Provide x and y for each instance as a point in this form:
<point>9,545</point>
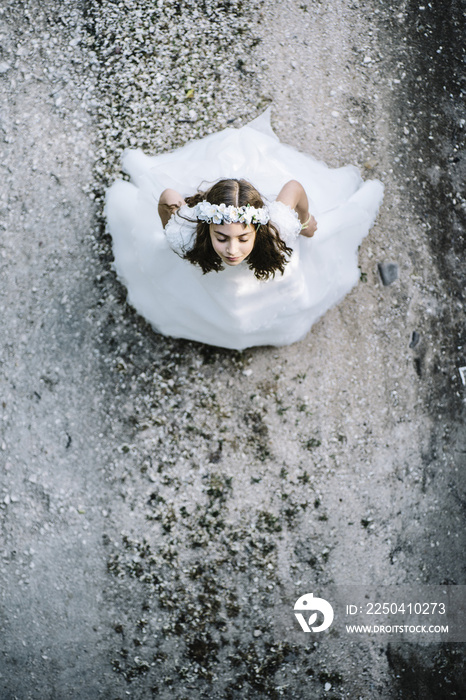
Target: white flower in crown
<point>216,213</point>
<point>204,211</point>
<point>231,215</point>
<point>262,216</point>
<point>246,215</point>
<point>219,214</point>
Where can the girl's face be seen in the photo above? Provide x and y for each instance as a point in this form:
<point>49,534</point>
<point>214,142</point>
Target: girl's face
<point>232,242</point>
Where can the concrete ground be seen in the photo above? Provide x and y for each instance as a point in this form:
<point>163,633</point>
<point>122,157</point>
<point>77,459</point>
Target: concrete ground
<point>165,503</point>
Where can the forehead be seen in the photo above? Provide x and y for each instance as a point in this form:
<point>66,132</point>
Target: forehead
<point>232,230</point>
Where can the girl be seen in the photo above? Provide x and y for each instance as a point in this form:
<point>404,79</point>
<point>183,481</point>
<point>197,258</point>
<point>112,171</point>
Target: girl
<point>225,265</point>
<point>225,232</point>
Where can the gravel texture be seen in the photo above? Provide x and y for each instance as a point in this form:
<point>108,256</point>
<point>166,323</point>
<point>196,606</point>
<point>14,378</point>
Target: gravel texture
<point>164,503</point>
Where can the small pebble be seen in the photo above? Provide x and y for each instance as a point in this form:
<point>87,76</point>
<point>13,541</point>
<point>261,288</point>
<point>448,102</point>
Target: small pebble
<point>388,273</point>
<point>415,338</point>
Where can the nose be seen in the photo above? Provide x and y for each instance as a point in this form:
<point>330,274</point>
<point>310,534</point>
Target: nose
<point>232,248</point>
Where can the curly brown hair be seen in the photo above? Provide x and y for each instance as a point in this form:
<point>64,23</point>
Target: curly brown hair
<point>269,255</point>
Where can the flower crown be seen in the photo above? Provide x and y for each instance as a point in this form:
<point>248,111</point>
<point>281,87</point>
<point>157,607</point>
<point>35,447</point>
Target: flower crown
<point>221,213</point>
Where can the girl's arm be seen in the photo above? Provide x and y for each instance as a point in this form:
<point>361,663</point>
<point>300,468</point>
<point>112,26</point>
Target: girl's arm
<point>169,202</point>
<point>294,196</point>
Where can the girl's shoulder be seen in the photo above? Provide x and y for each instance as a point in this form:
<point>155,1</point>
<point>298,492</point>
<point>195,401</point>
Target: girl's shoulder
<point>180,230</point>
<point>285,219</point>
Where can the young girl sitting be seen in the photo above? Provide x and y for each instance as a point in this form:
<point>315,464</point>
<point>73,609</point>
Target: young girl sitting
<point>225,265</point>
<point>233,224</point>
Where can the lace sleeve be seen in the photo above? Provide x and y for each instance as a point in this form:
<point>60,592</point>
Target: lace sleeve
<point>286,220</point>
<point>180,233</point>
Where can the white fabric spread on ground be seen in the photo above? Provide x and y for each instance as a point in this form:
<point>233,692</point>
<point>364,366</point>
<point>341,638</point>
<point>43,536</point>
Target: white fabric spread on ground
<point>231,308</point>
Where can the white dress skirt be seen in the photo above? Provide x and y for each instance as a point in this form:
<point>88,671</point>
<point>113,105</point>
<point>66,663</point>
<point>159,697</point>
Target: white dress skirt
<point>231,308</point>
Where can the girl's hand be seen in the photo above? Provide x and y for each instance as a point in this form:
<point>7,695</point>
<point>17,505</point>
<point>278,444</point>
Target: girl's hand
<point>310,227</point>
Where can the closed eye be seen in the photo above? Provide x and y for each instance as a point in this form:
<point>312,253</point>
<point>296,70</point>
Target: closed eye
<point>241,240</point>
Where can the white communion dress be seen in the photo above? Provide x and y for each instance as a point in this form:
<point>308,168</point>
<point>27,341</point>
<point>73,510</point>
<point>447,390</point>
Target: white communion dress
<point>231,308</point>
